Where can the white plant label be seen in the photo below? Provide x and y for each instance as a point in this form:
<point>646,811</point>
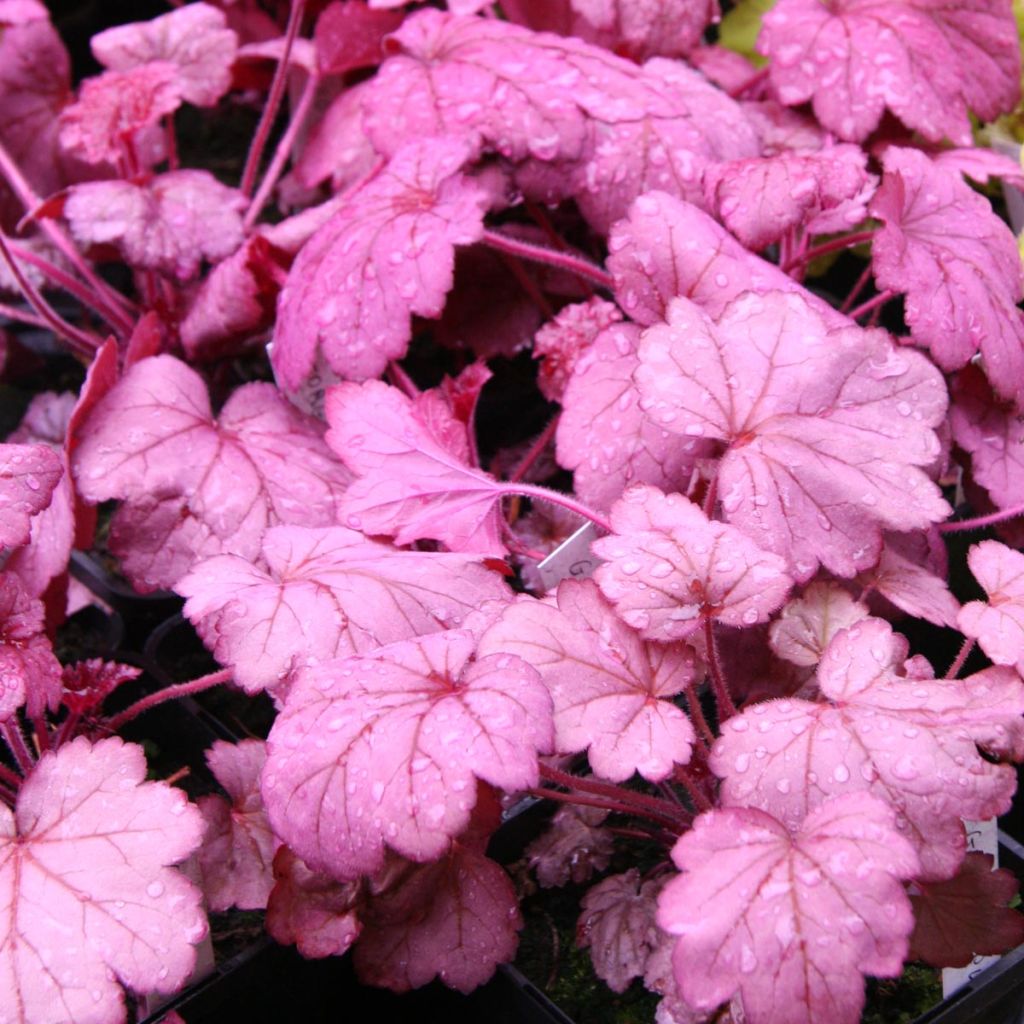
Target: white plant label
<point>571,559</point>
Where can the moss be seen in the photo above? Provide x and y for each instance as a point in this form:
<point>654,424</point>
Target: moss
<point>902,1000</point>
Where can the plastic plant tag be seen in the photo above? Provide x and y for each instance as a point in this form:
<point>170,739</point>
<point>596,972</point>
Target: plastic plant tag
<point>571,559</point>
<point>982,837</point>
<point>309,395</point>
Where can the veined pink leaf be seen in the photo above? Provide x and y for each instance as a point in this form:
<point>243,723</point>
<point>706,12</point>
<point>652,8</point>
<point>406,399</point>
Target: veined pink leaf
<point>386,254</point>
<point>573,846</point>
<point>980,164</point>
<point>200,484</point>
<point>667,567</point>
<point>410,483</point>
<point>235,860</point>
<point>910,741</point>
<point>618,926</point>
<point>29,671</point>
<point>762,198</point>
<point>326,593</point>
<point>791,919</point>
<point>783,130</point>
<point>603,435</point>
<point>89,897</point>
<point>455,919</point>
<point>822,449</point>
<point>171,224</point>
<point>561,342</point>
<point>966,915</point>
<point>29,474</point>
<point>113,107</point>
<point>87,684</point>
<point>401,738</point>
<point>666,248</point>
<point>998,624</point>
<point>927,63</point>
<point>194,38</point>
<point>957,263</point>
<point>806,626</point>
<point>312,910</point>
<point>611,690</point>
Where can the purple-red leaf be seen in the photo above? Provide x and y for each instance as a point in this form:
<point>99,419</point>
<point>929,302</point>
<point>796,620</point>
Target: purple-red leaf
<point>171,224</point>
<point>326,593</point>
<point>413,480</point>
<point>386,749</point>
<point>561,341</point>
<point>667,567</point>
<point>194,38</point>
<point>966,915</point>
<point>350,35</point>
<point>573,846</point>
<point>89,898</point>
<point>825,428</point>
<point>386,254</point>
<point>29,671</point>
<point>87,684</point>
<point>238,847</point>
<point>790,920</point>
<point>611,690</point>
<point>929,63</point>
<point>957,263</point>
<point>911,741</point>
<point>29,473</point>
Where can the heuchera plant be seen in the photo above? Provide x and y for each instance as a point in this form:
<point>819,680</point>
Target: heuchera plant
<point>512,268</point>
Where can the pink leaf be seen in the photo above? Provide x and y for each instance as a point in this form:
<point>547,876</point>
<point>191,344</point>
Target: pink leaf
<point>981,165</point>
<point>668,248</point>
<point>171,224</point>
<point>668,567</point>
<point>806,626</point>
<point>113,107</point>
<point>326,593</point>
<point>29,474</point>
<point>822,451</point>
<point>386,254</point>
<point>997,625</point>
<point>790,920</point>
<point>573,846</point>
<point>350,35</point>
<point>87,684</point>
<point>89,897</point>
<point>194,38</point>
<point>927,63</point>
<point>400,739</point>
<point>760,199</point>
<point>781,129</point>
<point>311,910</point>
<point>910,741</point>
<point>611,690</point>
<point>455,919</point>
<point>238,846</point>
<point>411,484</point>
<point>956,261</point>
<point>605,438</point>
<point>618,926</point>
<point>216,485</point>
<point>29,671</point>
<point>561,342</point>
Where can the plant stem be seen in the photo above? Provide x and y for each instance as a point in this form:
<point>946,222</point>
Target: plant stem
<point>10,313</point>
<point>15,740</point>
<point>166,694</point>
<point>962,655</point>
<point>857,288</point>
<point>575,264</point>
<point>556,498</point>
<point>700,801</point>
<point>726,707</point>
<point>603,802</point>
<point>528,285</point>
<point>402,380</point>
<point>980,522</point>
<point>536,450</point>
<point>10,778</point>
<point>749,83</point>
<point>697,715</point>
<point>282,152</point>
<point>873,303</point>
<point>638,803</point>
<point>274,97</point>
<point>836,244</point>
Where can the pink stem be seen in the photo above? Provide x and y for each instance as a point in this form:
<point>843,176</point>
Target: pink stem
<point>41,733</point>
<point>711,497</point>
<point>697,714</point>
<point>700,800</point>
<point>21,316</point>
<point>168,693</point>
<point>726,707</point>
<point>274,97</point>
<point>80,341</point>
<point>962,655</point>
<point>528,285</point>
<point>536,450</point>
<point>858,287</point>
<point>171,142</point>
<point>604,803</point>
<point>749,83</point>
<point>874,303</point>
<point>282,152</point>
<point>15,740</point>
<point>10,778</point>
<point>403,380</point>
<point>980,522</point>
<point>575,264</point>
<point>836,244</point>
<point>556,498</point>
